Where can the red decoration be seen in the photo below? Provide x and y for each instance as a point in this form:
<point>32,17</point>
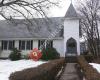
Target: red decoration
<point>35,54</point>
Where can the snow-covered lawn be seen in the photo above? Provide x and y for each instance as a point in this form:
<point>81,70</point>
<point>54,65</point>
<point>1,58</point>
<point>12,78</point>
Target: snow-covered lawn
<point>7,67</point>
<point>96,66</point>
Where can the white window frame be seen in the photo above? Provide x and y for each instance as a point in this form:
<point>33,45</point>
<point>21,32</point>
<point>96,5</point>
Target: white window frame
<point>40,43</point>
<point>31,43</point>
<point>45,43</point>
<point>49,41</point>
<point>7,44</point>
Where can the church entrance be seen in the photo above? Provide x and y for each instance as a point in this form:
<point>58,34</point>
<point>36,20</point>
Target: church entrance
<point>71,47</point>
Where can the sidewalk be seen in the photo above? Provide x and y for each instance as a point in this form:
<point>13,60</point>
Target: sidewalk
<point>70,72</point>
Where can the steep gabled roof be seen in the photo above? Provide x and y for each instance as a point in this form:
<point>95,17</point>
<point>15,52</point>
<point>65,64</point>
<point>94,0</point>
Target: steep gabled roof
<point>42,30</point>
<point>71,12</point>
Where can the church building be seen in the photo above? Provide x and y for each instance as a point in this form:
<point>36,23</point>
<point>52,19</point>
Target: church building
<point>61,33</point>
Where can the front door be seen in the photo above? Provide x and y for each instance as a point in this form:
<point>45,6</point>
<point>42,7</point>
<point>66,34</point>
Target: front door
<point>71,47</point>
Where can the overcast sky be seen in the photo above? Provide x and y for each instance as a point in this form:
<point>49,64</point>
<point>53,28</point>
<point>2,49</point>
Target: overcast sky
<point>60,12</point>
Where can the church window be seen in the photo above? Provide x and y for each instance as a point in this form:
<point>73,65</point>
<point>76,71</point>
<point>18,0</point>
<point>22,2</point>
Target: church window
<point>8,45</point>
<point>25,45</point>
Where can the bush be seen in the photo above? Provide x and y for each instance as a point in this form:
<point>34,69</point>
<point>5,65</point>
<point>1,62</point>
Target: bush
<point>86,52</point>
<point>89,57</point>
<point>15,55</point>
<point>97,60</point>
<point>89,72</point>
<point>49,54</point>
<point>46,71</point>
<point>25,56</point>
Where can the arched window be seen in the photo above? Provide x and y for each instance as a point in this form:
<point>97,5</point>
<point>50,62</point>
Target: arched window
<point>71,46</point>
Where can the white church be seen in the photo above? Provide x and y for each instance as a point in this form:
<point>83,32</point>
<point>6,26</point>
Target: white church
<point>66,40</point>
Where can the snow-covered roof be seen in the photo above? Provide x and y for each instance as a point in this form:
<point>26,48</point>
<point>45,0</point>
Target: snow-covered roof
<point>40,28</point>
<point>71,12</point>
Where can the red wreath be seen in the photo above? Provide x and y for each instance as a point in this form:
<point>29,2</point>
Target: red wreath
<point>35,54</point>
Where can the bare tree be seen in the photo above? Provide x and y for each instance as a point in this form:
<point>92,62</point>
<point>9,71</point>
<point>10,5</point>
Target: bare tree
<point>89,24</point>
<point>9,9</point>
<point>27,10</point>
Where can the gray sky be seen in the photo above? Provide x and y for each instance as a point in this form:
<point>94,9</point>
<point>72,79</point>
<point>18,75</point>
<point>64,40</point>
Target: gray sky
<point>60,12</point>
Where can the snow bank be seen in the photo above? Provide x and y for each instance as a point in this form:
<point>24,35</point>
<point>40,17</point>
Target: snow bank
<point>96,66</point>
<point>7,66</point>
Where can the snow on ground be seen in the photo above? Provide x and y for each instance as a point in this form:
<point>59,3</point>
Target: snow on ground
<point>7,67</point>
<point>96,66</point>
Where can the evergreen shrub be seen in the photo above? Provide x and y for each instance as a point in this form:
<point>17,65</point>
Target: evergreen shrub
<point>15,54</point>
<point>49,54</point>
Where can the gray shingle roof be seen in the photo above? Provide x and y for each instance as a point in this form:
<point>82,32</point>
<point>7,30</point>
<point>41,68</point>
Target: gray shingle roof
<point>71,12</point>
<point>40,29</point>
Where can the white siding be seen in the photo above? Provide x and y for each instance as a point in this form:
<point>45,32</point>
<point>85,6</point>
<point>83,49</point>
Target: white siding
<point>5,53</point>
<point>71,29</point>
<point>35,43</point>
<point>58,44</point>
<point>17,44</point>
